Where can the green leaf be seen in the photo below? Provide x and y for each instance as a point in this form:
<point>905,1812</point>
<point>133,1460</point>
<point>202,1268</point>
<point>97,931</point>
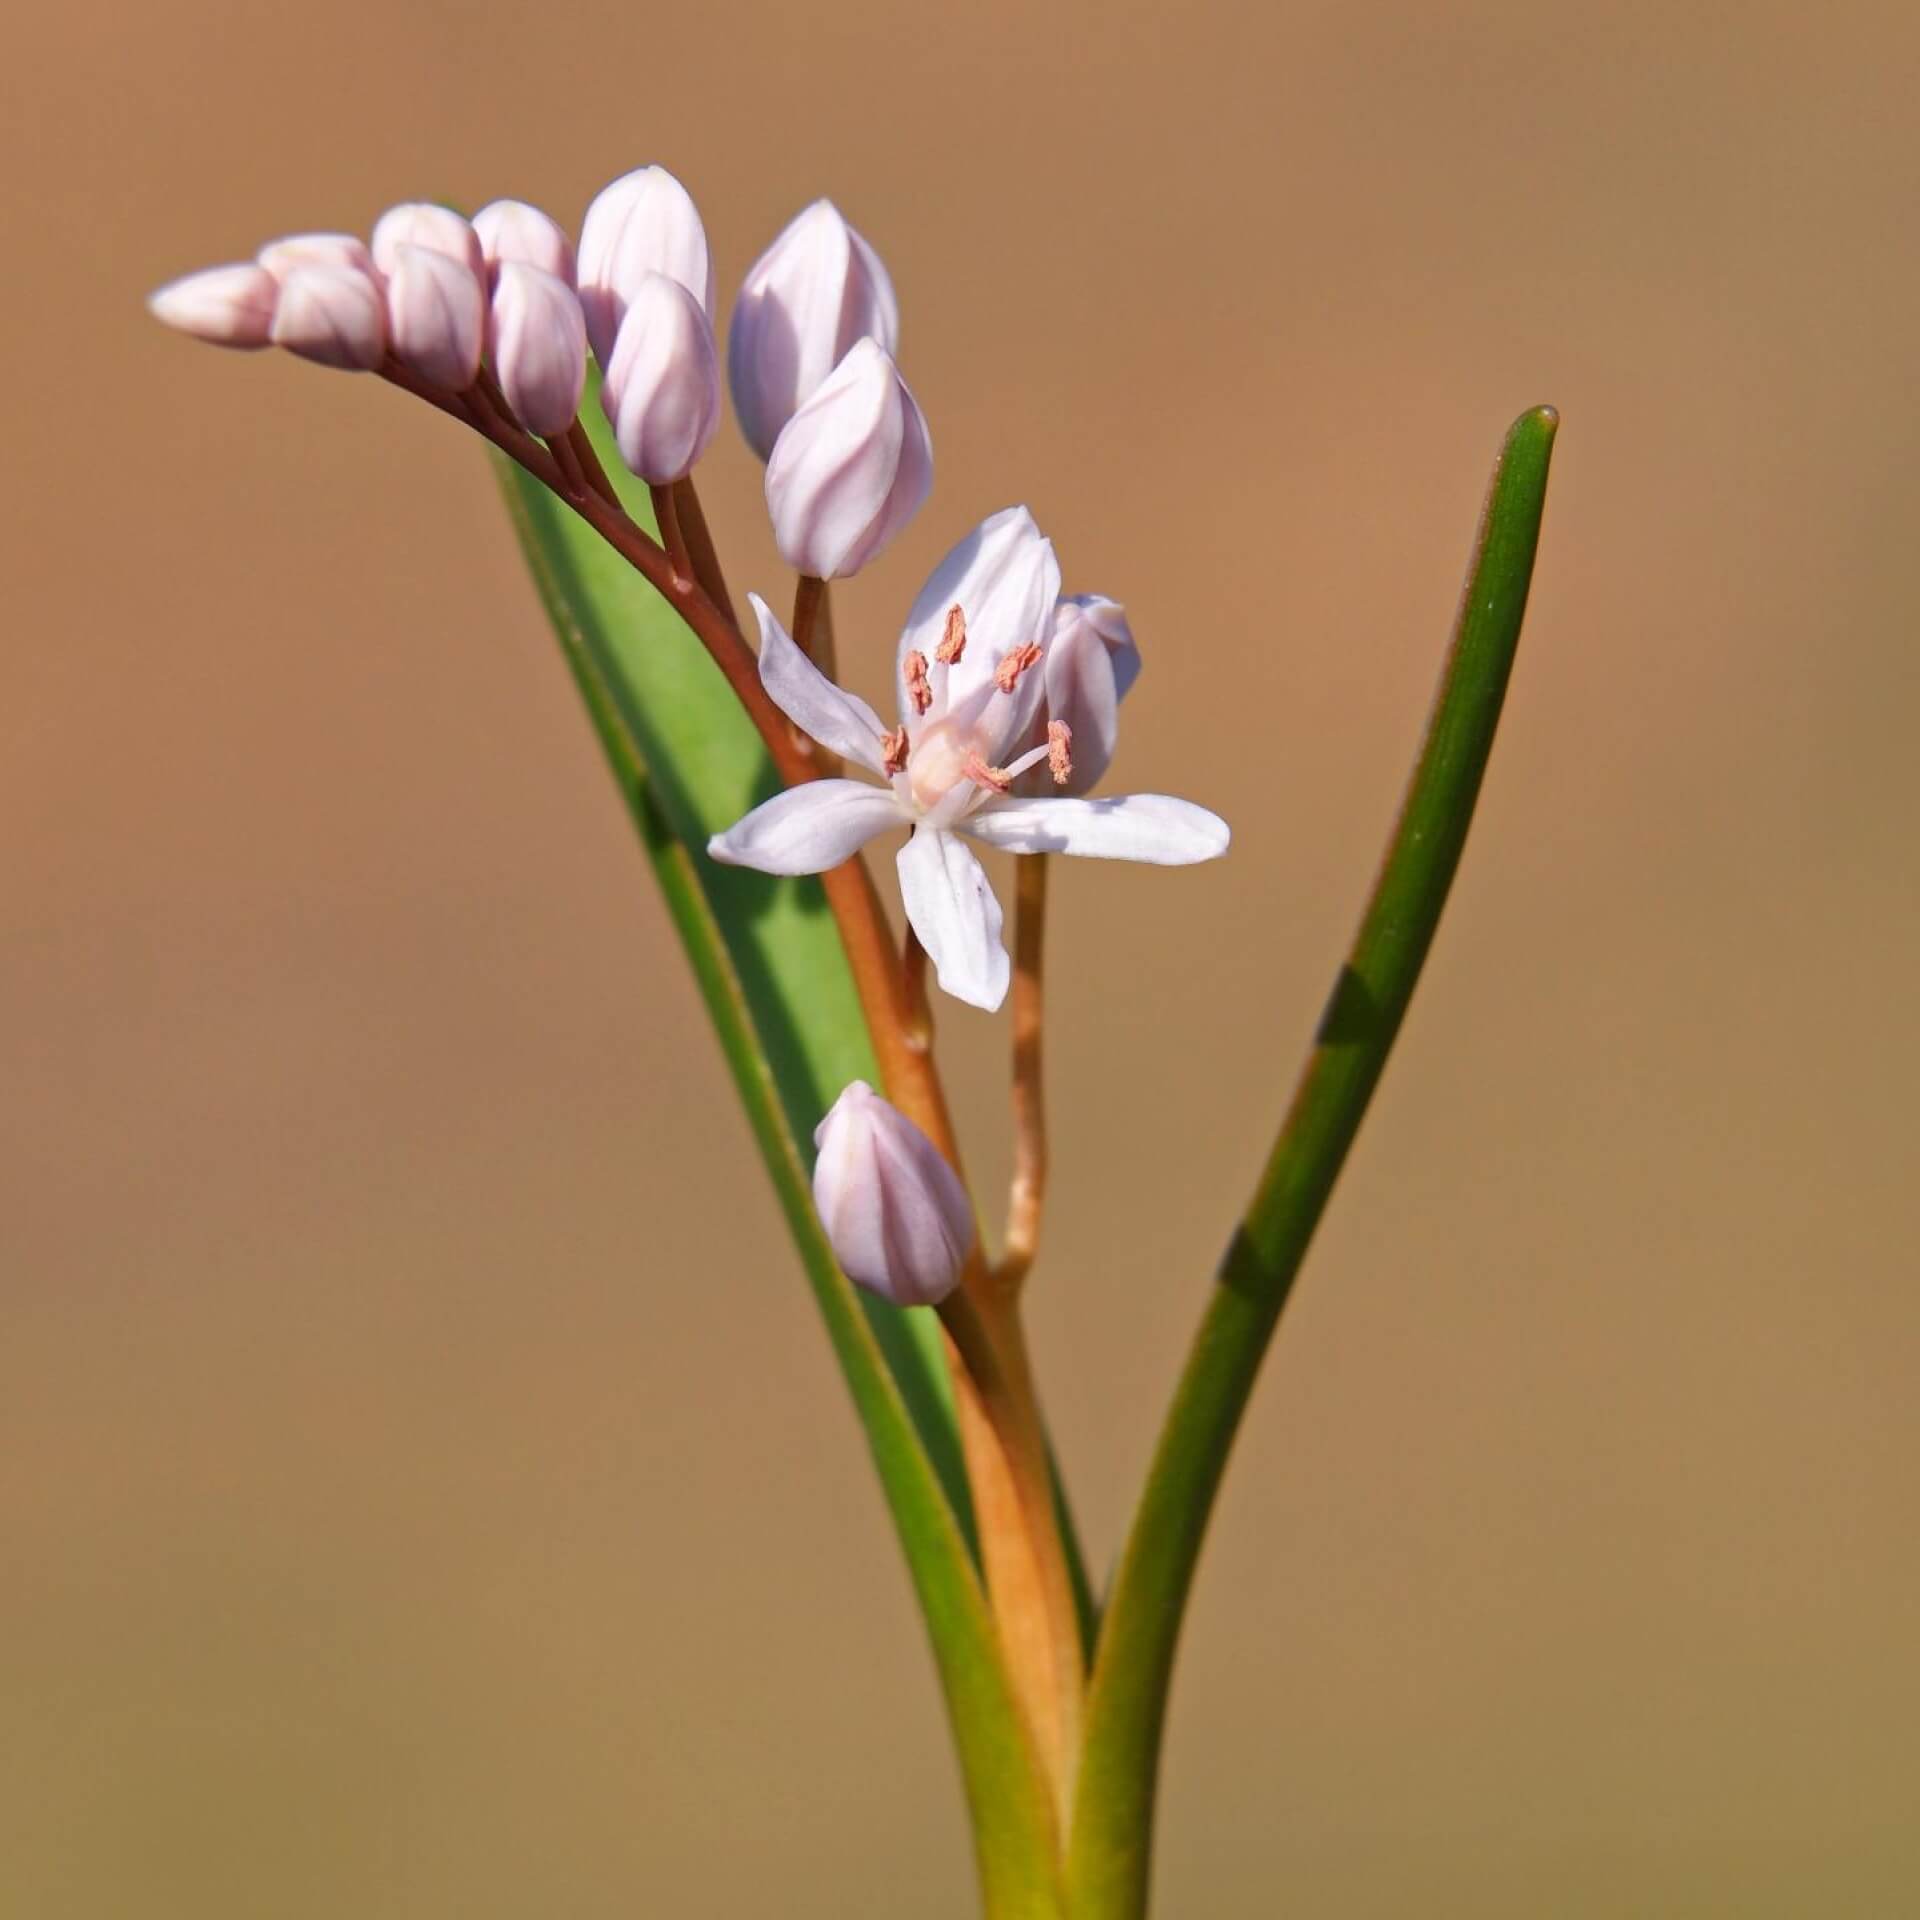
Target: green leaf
<point>1109,1855</point>
<point>774,977</point>
<point>706,766</point>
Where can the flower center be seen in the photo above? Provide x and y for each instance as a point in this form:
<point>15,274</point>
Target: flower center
<point>938,762</point>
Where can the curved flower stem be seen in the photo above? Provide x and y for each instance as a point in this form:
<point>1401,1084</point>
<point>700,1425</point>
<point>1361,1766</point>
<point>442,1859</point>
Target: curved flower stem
<point>1109,1854</point>
<point>813,635</point>
<point>666,511</point>
<point>1029,1571</point>
<point>913,963</point>
<point>813,622</point>
<point>1029,1188</point>
<point>567,458</point>
<point>700,547</point>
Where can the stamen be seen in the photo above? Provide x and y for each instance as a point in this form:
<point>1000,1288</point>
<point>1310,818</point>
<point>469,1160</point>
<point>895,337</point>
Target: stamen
<point>917,689</point>
<point>893,748</point>
<point>1059,752</point>
<point>994,779</point>
<point>953,643</point>
<point>1006,675</point>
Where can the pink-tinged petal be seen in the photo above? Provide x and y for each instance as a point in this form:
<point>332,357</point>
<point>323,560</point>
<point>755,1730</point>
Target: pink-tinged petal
<point>955,915</point>
<point>842,722</point>
<point>819,288</point>
<point>333,317</point>
<point>895,1212</point>
<point>512,230</point>
<point>225,306</point>
<point>1004,578</point>
<point>436,317</point>
<point>1152,827</point>
<point>1091,662</point>
<point>538,344</point>
<point>850,469</point>
<point>280,257</point>
<point>418,223</point>
<point>809,828</point>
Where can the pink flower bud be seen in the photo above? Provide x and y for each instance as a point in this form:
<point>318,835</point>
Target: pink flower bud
<point>333,316</point>
<point>438,229</point>
<point>538,343</point>
<point>436,317</point>
<point>645,222</point>
<point>851,467</point>
<point>1091,662</point>
<point>226,306</point>
<point>512,230</point>
<point>280,257</point>
<point>896,1214</point>
<point>662,391</point>
<point>805,301</point>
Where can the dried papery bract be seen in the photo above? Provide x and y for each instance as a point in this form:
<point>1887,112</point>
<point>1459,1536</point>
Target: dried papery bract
<point>819,288</point>
<point>895,1212</point>
<point>332,316</point>
<point>644,222</point>
<point>510,230</point>
<point>224,306</point>
<point>851,468</point>
<point>436,317</point>
<point>537,341</point>
<point>418,223</point>
<point>662,391</point>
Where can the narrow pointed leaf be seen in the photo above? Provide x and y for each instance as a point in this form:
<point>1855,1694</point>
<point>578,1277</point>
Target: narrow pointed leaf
<point>774,978</point>
<point>706,767</point>
<point>1109,1854</point>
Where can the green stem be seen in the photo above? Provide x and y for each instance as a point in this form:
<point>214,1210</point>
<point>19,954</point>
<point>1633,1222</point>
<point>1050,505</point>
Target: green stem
<point>1110,1853</point>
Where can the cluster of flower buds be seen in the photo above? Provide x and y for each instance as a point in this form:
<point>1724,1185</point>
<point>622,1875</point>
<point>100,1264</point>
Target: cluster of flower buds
<point>450,303</point>
<point>1008,691</point>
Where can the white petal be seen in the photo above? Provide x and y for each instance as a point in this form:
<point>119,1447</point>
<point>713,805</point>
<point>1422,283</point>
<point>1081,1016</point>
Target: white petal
<point>1004,578</point>
<point>957,918</point>
<point>1153,827</point>
<point>808,828</point>
<point>842,722</point>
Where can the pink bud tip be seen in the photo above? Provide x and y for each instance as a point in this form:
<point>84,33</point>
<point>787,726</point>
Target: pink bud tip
<point>436,317</point>
<point>438,229</point>
<point>644,222</point>
<point>512,230</point>
<point>280,257</point>
<point>538,342</point>
<point>332,316</point>
<point>805,301</point>
<point>227,306</point>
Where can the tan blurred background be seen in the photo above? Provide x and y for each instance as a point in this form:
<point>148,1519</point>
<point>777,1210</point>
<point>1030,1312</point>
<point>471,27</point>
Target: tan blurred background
<point>424,1487</point>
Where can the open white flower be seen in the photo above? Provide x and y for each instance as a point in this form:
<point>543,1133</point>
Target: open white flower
<point>970,684</point>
